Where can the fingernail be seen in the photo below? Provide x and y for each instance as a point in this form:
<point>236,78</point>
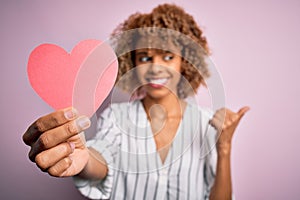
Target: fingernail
<point>72,146</point>
<point>71,113</point>
<point>83,122</point>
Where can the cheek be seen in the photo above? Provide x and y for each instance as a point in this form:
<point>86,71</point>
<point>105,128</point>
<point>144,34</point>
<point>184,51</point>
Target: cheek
<point>177,78</point>
<point>176,75</point>
<point>176,71</point>
<point>176,65</point>
<point>140,73</point>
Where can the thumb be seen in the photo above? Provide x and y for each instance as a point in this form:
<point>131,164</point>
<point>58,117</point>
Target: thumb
<point>242,111</point>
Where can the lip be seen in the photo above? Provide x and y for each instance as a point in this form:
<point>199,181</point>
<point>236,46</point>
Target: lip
<point>157,82</point>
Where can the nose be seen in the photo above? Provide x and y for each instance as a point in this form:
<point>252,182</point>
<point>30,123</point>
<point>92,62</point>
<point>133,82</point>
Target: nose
<point>156,65</point>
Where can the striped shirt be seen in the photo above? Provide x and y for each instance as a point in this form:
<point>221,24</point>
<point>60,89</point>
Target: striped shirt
<point>125,140</point>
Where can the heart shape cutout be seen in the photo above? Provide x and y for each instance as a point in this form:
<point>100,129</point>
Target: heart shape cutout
<point>82,78</point>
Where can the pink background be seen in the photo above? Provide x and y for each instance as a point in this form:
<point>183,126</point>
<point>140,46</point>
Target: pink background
<point>255,44</point>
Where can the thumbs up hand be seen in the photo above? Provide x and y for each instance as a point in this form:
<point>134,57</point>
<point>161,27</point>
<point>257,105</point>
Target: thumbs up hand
<point>225,122</point>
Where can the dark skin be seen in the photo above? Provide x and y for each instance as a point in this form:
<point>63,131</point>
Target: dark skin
<point>222,188</point>
<point>51,138</point>
<point>58,145</point>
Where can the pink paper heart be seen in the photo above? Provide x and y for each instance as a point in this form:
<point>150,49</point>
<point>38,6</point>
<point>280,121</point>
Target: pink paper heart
<point>82,79</point>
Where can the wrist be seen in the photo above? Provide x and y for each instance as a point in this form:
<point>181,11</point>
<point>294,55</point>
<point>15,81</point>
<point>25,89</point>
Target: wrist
<point>224,149</point>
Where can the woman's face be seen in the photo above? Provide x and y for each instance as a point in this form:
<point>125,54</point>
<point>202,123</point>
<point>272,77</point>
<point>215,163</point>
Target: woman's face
<point>158,71</point>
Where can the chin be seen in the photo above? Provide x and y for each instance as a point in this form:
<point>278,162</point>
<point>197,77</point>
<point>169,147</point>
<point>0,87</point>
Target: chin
<point>158,93</point>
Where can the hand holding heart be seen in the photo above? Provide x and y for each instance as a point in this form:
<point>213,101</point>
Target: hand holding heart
<point>57,147</point>
<point>82,79</point>
<point>226,121</point>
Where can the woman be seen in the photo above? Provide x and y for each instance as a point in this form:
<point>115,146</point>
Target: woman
<point>154,147</point>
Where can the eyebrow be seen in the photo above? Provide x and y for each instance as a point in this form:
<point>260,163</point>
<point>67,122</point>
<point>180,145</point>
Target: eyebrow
<point>141,53</point>
<point>146,52</point>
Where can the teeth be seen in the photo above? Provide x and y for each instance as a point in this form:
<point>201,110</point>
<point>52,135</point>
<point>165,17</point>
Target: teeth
<point>158,81</point>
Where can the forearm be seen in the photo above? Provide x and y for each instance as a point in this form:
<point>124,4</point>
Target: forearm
<point>228,121</point>
<point>222,188</point>
<point>95,168</point>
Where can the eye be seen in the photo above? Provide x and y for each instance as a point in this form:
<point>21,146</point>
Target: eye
<point>145,59</point>
<point>168,57</point>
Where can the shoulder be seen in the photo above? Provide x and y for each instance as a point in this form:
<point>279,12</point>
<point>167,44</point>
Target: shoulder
<point>201,116</point>
<point>204,112</point>
<point>125,107</point>
<point>121,110</point>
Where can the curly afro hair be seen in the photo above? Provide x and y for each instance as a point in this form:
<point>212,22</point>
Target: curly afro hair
<point>193,46</point>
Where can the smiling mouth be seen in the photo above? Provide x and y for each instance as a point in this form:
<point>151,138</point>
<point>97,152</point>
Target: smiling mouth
<point>157,82</point>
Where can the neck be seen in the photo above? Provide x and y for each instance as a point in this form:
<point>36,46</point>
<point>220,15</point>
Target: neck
<point>167,107</point>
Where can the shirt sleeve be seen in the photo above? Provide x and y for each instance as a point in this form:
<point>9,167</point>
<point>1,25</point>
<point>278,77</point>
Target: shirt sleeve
<point>106,142</point>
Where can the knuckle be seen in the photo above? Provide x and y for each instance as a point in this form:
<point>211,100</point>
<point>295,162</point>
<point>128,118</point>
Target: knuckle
<point>214,121</point>
<point>66,149</point>
<point>31,155</point>
<point>60,167</point>
<point>71,128</point>
<point>25,138</point>
<point>44,141</point>
<point>41,162</point>
<point>53,171</point>
<point>40,125</point>
<point>221,112</point>
<point>67,162</point>
<point>53,121</point>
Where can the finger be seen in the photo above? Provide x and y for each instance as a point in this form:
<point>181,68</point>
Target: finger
<point>48,122</point>
<point>50,157</point>
<point>242,111</point>
<point>216,123</point>
<point>58,135</point>
<point>60,167</point>
<point>220,115</point>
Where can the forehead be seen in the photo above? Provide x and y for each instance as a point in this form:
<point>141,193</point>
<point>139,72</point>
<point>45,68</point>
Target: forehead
<point>157,44</point>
